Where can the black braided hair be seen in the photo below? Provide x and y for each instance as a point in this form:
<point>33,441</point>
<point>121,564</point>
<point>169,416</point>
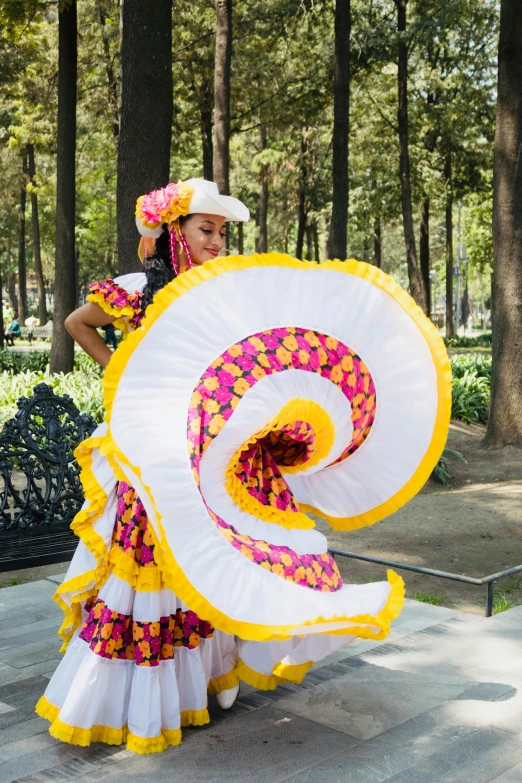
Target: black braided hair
<point>158,268</point>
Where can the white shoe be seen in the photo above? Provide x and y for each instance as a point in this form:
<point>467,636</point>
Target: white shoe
<point>227,699</point>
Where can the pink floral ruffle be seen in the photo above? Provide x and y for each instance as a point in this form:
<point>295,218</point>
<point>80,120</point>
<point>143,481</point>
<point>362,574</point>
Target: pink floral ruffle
<point>118,302</point>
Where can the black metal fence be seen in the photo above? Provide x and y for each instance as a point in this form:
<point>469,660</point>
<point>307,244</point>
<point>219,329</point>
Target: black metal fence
<point>40,490</point>
<point>490,580</point>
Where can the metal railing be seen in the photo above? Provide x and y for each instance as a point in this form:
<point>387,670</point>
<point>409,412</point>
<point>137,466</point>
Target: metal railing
<point>470,580</point>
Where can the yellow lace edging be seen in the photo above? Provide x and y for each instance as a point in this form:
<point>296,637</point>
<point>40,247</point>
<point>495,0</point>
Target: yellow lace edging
<point>292,672</point>
<point>118,313</point>
<point>223,683</point>
<point>74,735</point>
<point>194,718</point>
<point>283,672</point>
<point>142,579</point>
<point>298,409</point>
<point>266,682</point>
<point>82,526</point>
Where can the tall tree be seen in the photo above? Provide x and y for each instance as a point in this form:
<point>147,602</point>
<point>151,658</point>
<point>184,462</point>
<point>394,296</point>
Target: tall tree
<point>22,261</point>
<point>505,421</point>
<point>448,177</point>
<point>62,348</point>
<point>109,70</point>
<point>221,159</point>
<point>146,114</point>
<point>417,289</point>
<point>377,242</point>
<point>37,254</point>
<point>424,249</point>
<point>337,239</point>
<point>262,212</point>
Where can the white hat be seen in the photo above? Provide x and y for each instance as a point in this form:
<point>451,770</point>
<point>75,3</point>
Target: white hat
<point>197,195</point>
<point>206,199</point>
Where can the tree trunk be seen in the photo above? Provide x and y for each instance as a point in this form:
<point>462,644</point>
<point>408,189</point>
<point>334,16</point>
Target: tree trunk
<point>146,114</point>
<point>206,141</point>
<point>11,288</point>
<point>109,70</point>
<point>505,420</point>
<point>240,240</point>
<point>337,240</point>
<point>377,242</point>
<point>416,284</point>
<point>450,330</point>
<point>309,242</point>
<point>62,347</point>
<point>22,261</point>
<point>37,256</point>
<point>262,242</point>
<point>222,94</point>
<point>317,256</point>
<point>2,345</point>
<point>424,250</point>
<point>303,182</point>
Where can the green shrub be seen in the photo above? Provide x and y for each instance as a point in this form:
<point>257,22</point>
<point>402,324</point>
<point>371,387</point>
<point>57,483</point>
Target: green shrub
<point>84,388</point>
<point>471,394</point>
<point>481,365</point>
<point>20,362</point>
<point>480,341</point>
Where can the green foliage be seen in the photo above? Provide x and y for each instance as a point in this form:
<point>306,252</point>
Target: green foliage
<point>481,340</point>
<point>501,602</point>
<point>427,598</point>
<point>441,470</point>
<point>12,582</point>
<point>481,365</point>
<point>470,397</point>
<point>84,388</point>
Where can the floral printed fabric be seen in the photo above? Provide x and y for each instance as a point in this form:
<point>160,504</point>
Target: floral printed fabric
<point>232,374</point>
<point>214,400</point>
<point>131,532</point>
<point>114,635</point>
<point>118,299</point>
<point>317,572</point>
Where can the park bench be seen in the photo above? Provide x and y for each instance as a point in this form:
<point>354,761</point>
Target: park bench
<point>39,332</point>
<point>41,491</point>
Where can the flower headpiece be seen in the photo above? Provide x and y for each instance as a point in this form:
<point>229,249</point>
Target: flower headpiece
<point>165,205</point>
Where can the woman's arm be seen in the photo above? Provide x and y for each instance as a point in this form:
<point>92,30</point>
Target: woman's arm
<point>82,325</point>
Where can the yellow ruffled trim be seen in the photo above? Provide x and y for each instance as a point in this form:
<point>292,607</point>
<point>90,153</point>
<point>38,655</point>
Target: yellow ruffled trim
<point>292,673</point>
<point>74,735</point>
<point>223,683</point>
<point>144,580</point>
<point>283,672</point>
<point>265,682</point>
<point>194,718</point>
<point>118,313</point>
<point>298,409</point>
<point>81,586</point>
<point>157,744</point>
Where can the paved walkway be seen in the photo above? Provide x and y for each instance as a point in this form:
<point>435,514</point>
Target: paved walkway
<point>440,701</point>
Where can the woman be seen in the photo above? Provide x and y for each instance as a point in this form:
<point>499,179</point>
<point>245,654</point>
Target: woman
<point>140,661</point>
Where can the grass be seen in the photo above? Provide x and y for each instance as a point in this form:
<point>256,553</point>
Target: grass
<point>427,598</point>
<point>501,599</point>
<point>12,582</point>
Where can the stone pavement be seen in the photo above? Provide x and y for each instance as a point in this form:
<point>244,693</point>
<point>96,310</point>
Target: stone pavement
<point>440,701</point>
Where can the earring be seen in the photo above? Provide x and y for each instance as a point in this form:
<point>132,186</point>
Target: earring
<point>185,249</point>
<point>173,255</point>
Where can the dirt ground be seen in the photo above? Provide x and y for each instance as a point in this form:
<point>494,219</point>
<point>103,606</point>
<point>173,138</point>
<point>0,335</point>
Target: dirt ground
<point>471,526</point>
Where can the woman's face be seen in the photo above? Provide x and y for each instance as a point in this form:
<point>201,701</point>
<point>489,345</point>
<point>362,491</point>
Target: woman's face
<point>205,235</point>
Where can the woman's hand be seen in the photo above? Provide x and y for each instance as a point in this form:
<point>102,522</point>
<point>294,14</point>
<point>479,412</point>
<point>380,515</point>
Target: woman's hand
<point>82,325</point>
